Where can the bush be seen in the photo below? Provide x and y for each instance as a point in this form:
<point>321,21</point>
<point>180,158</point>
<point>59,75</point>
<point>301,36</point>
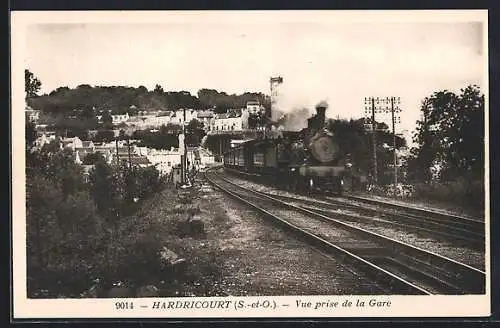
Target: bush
<point>464,192</point>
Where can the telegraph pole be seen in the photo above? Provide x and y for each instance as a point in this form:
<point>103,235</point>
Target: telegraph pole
<point>393,110</point>
<point>117,156</point>
<point>129,155</point>
<point>374,140</point>
<point>370,107</point>
<point>184,155</point>
<point>383,107</point>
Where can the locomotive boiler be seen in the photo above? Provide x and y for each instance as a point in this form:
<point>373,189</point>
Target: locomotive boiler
<point>308,160</point>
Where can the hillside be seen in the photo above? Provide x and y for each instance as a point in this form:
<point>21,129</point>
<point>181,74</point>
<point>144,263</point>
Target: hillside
<point>85,100</point>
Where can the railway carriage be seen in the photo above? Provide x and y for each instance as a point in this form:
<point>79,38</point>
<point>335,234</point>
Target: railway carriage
<point>308,160</point>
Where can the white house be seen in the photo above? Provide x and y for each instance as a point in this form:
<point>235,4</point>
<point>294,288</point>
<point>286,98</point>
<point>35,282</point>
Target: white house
<point>206,157</point>
<point>206,117</point>
<point>164,160</point>
<point>178,116</point>
<point>233,120</point>
<point>117,119</point>
<point>32,115</point>
<point>44,139</point>
<point>162,118</point>
<point>72,143</point>
<point>254,107</point>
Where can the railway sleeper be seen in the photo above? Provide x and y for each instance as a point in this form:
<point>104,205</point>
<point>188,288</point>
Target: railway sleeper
<point>420,276</point>
<point>469,282</point>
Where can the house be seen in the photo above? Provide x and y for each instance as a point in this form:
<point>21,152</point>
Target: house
<point>232,120</point>
<point>32,115</point>
<point>178,116</point>
<point>88,144</point>
<point>206,157</point>
<point>139,161</point>
<point>117,119</point>
<point>92,133</point>
<point>107,152</point>
<point>161,118</point>
<point>72,143</point>
<point>254,107</point>
<point>164,160</point>
<point>44,139</point>
<point>205,117</point>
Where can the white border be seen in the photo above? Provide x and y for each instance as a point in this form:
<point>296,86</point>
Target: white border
<point>401,306</point>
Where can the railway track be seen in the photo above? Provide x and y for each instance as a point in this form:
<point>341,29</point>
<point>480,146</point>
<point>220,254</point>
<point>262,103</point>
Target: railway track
<point>459,230</point>
<point>455,231</point>
<point>465,223</point>
<point>405,269</point>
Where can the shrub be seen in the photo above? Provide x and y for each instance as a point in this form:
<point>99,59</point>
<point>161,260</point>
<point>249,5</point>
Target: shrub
<point>464,192</point>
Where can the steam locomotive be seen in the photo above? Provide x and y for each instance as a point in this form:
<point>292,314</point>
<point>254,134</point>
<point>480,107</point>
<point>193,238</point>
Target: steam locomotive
<point>308,160</point>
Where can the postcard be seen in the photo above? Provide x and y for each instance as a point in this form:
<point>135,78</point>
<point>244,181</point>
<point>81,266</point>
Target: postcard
<point>250,164</point>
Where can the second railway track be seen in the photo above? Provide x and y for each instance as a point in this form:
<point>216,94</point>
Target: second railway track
<point>405,268</point>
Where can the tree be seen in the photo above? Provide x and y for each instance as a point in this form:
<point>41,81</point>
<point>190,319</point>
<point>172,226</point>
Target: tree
<point>30,134</point>
<point>107,120</point>
<point>158,89</point>
<point>104,136</point>
<point>194,133</point>
<point>92,158</point>
<point>105,190</point>
<point>450,135</point>
<point>31,84</point>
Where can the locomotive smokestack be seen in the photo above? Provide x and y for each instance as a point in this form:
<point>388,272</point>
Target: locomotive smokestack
<point>320,114</point>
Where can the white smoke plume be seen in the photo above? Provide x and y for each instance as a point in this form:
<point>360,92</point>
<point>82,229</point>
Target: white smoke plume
<point>295,120</point>
<point>295,105</point>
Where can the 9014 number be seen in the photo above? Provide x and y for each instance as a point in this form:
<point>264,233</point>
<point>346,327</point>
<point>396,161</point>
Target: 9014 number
<point>124,305</point>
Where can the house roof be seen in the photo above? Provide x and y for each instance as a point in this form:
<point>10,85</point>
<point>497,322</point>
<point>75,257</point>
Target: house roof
<point>165,113</point>
<point>135,119</point>
<point>139,160</point>
<point>83,151</point>
<point>204,113</point>
<point>234,113</point>
<point>103,150</point>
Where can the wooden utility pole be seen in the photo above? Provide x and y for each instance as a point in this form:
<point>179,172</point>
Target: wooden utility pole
<point>129,155</point>
<point>184,152</point>
<point>371,103</point>
<point>374,141</point>
<point>384,107</point>
<point>117,156</point>
<point>394,142</point>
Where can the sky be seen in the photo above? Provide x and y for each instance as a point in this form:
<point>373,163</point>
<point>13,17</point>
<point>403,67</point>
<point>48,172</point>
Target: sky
<point>341,62</point>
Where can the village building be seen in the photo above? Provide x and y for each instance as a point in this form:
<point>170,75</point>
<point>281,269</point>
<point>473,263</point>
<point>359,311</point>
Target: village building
<point>205,117</point>
<point>121,118</point>
<point>162,118</point>
<point>178,116</point>
<point>232,120</point>
<point>164,160</point>
<point>44,139</point>
<point>71,143</point>
<point>254,107</point>
<point>32,115</point>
